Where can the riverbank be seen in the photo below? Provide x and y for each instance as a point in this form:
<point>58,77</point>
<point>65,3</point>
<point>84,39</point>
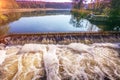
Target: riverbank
<point>99,61</point>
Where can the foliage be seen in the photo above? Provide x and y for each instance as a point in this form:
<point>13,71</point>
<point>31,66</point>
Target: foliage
<point>115,11</point>
<point>6,18</point>
<point>39,4</point>
<point>8,4</point>
<point>106,11</point>
<point>115,4</point>
<point>80,13</point>
<point>3,17</point>
<point>77,15</point>
<point>78,4</point>
<point>4,30</point>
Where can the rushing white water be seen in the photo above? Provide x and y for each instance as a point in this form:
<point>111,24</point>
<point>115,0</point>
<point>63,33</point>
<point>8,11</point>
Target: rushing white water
<point>76,61</point>
<point>2,56</point>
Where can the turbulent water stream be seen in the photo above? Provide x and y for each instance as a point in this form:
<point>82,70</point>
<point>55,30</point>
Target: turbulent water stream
<point>76,61</point>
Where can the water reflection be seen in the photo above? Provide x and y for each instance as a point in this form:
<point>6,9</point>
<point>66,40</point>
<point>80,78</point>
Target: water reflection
<point>79,21</point>
<point>52,21</point>
<point>82,23</point>
<point>4,29</point>
<point>108,26</point>
<point>45,12</point>
<point>49,21</point>
<point>6,18</point>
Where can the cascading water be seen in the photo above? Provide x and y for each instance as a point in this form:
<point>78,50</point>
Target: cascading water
<point>76,61</point>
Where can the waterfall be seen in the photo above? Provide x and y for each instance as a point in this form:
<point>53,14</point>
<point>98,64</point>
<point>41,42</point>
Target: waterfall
<point>75,61</point>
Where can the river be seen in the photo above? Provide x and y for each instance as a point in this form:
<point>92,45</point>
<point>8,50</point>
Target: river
<point>43,57</point>
<point>51,21</point>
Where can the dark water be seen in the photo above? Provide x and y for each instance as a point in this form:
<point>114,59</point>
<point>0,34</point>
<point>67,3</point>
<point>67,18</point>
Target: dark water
<point>52,21</point>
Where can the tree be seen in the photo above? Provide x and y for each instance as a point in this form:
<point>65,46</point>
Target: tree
<point>115,7</point>
<point>115,10</point>
<point>8,4</point>
<point>77,4</point>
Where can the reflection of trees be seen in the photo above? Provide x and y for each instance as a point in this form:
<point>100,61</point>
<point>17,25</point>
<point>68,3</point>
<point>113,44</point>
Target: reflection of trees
<point>76,18</point>
<point>112,26</point>
<point>8,4</point>
<point>5,19</point>
<point>9,17</point>
<point>78,21</point>
<point>75,21</point>
<point>4,30</point>
<point>108,26</point>
<point>44,12</point>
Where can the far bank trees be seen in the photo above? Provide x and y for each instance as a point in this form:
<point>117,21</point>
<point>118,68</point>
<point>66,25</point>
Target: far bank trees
<point>8,4</point>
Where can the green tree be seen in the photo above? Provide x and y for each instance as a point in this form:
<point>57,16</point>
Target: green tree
<point>8,4</point>
<point>115,10</point>
<point>77,4</point>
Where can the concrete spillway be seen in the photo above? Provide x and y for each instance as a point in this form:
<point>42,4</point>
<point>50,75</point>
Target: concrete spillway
<point>74,61</point>
<point>61,38</point>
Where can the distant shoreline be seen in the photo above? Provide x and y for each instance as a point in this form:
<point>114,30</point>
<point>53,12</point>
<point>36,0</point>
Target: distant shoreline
<point>28,10</point>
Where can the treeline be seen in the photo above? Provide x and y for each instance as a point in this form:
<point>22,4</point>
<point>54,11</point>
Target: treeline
<point>12,4</point>
<point>105,7</point>
<point>8,4</point>
<point>39,4</point>
<point>59,5</point>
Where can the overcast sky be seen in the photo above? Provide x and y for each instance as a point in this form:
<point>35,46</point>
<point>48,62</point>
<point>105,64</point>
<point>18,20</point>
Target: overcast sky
<point>53,0</point>
<point>57,0</point>
<point>48,0</point>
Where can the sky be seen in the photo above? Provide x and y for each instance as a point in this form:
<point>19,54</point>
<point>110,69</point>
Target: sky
<point>48,0</point>
<point>55,0</point>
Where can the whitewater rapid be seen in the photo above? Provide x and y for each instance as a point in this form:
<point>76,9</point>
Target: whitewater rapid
<point>76,61</point>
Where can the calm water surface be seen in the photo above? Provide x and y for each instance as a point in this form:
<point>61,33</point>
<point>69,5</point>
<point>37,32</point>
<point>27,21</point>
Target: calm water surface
<point>51,21</point>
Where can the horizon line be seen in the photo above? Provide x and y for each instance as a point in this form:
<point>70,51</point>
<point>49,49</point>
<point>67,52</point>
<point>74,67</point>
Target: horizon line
<point>46,1</point>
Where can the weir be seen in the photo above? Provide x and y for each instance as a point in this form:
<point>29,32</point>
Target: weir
<point>61,38</point>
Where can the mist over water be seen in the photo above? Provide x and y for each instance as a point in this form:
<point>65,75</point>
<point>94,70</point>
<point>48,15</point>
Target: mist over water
<point>75,61</point>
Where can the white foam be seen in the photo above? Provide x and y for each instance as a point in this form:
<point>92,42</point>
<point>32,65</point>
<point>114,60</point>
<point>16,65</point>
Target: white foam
<point>62,62</point>
<point>2,56</point>
<point>112,45</point>
<point>79,47</point>
<point>32,48</point>
<point>51,63</point>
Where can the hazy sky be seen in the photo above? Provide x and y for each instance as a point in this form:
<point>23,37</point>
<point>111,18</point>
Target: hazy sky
<point>57,0</point>
<point>54,0</point>
<point>48,0</point>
